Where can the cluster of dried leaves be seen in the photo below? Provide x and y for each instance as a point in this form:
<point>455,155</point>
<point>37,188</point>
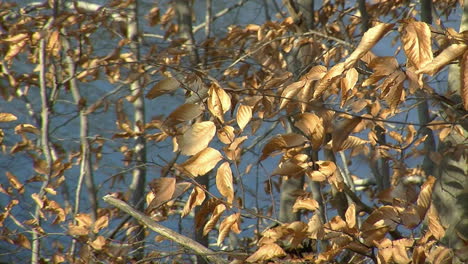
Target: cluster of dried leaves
<point>336,105</point>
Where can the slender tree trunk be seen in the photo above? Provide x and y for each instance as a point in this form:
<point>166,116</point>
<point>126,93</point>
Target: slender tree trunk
<point>45,123</point>
<point>423,107</point>
<point>137,187</point>
<point>45,140</point>
<point>450,194</point>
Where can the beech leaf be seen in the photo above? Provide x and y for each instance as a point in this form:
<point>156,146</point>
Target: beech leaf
<point>416,41</point>
<point>202,162</point>
<point>196,138</point>
<point>162,87</point>
<point>7,117</point>
<point>312,126</point>
<point>244,114</point>
<point>370,38</point>
<point>444,58</point>
<point>266,252</point>
<point>196,198</point>
<point>219,102</point>
<point>183,113</point>
<point>224,182</point>
<point>218,211</point>
<point>227,225</point>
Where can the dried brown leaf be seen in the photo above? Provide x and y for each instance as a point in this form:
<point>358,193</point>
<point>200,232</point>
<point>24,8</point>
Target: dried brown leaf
<point>98,243</point>
<point>444,58</point>
<point>183,113</point>
<point>162,87</point>
<point>416,41</point>
<point>312,127</point>
<point>305,204</point>
<point>202,162</point>
<point>328,79</point>
<point>281,142</point>
<point>382,67</point>
<point>341,132</point>
<point>370,38</point>
<point>425,196</point>
<point>196,138</point>
<point>163,189</point>
<point>226,134</point>
<point>266,252</point>
<point>7,117</point>
<point>14,182</point>
<point>226,226</point>
<point>218,211</point>
<point>28,128</point>
<point>196,198</point>
<point>244,114</point>
<point>434,224</point>
<point>224,182</point>
<point>351,216</point>
<point>101,222</point>
<point>347,84</point>
<point>290,92</point>
<point>219,102</point>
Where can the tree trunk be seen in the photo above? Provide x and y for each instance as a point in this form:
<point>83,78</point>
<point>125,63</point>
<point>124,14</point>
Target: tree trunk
<point>137,187</point>
<point>450,194</point>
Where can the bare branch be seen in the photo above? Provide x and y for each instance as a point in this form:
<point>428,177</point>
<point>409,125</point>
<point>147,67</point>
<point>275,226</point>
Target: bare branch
<point>164,231</point>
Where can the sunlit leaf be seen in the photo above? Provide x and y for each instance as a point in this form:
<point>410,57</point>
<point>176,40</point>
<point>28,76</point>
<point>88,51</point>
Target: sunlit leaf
<point>183,113</point>
<point>196,138</point>
<point>416,41</point>
<point>280,143</point>
<point>162,189</point>
<point>444,58</point>
<point>328,79</point>
<point>290,92</point>
<point>347,83</point>
<point>349,143</point>
<point>226,226</point>
<point>288,168</point>
<point>14,182</point>
<point>23,241</point>
<point>341,132</point>
<point>312,126</point>
<point>162,87</point>
<point>219,102</point>
<point>28,128</point>
<point>196,198</point>
<point>382,67</point>
<point>315,227</point>
<point>433,222</point>
<point>98,243</point>
<point>266,252</point>
<point>325,170</point>
<point>226,134</point>
<point>218,211</point>
<point>101,222</point>
<point>7,117</point>
<point>351,215</point>
<point>305,204</point>
<point>425,196</point>
<point>370,38</point>
<point>243,116</point>
<point>224,182</point>
<point>202,162</point>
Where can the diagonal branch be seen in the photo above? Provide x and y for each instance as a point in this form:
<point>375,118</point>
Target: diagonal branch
<point>164,231</point>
